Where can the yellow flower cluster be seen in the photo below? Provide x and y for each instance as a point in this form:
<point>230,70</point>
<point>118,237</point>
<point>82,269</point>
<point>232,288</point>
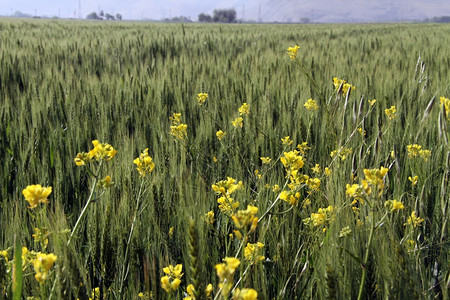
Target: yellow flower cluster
<point>220,135</point>
<point>251,252</point>
<point>342,152</point>
<point>292,161</point>
<point>225,188</point>
<point>445,102</point>
<point>391,112</point>
<point>413,180</point>
<point>144,163</point>
<point>373,178</point>
<point>287,141</point>
<point>245,218</point>
<point>372,102</point>
<point>226,271</point>
<point>191,291</point>
<point>414,220</point>
<point>101,151</point>
<point>342,86</point>
<point>201,98</point>
<point>322,218</point>
<point>394,205</point>
<point>42,265</point>
<point>265,160</point>
<point>292,52</point>
<point>244,109</point>
<point>311,105</point>
<point>36,194</point>
<point>245,294</point>
<point>303,147</point>
<point>172,279</point>
<point>415,150</point>
<point>238,122</point>
<point>209,217</point>
<point>177,129</point>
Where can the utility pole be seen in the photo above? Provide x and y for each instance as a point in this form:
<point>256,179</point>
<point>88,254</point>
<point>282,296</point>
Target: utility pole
<point>259,14</point>
<point>79,9</point>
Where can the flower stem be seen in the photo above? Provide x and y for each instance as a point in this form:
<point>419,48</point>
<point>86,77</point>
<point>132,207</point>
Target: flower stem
<point>83,212</point>
<point>366,257</point>
<point>125,265</point>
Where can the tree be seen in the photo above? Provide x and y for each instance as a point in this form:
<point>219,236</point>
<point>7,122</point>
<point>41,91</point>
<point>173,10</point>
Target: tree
<point>109,17</point>
<point>93,16</point>
<point>119,17</point>
<point>204,18</point>
<point>224,15</point>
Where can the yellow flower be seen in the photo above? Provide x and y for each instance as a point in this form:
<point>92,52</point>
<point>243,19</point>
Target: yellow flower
<point>323,217</point>
<point>226,269</point>
<point>105,182</point>
<point>220,135</point>
<point>171,229</point>
<point>413,180</point>
<point>174,272</point>
<point>292,160</point>
<point>251,252</point>
<point>361,131</point>
<point>415,150</point>
<point>275,188</point>
<point>343,152</point>
<point>313,183</point>
<point>36,194</point>
<point>244,109</point>
<point>372,102</point>
<point>394,205</point>
<point>245,294</point>
<point>445,102</point>
<point>42,264</point>
<point>144,163</point>
<point>311,105</point>
<point>227,187</point>
<point>244,218</point>
<point>303,147</point>
<point>227,205</point>
<point>4,253</point>
<point>414,220</point>
<point>391,112</point>
<point>102,151</point>
<point>327,171</point>
<point>290,197</point>
<point>342,86</point>
<point>82,159</point>
<point>208,290</point>
<point>201,98</point>
<point>316,168</point>
<point>215,159</point>
<point>265,160</point>
<point>375,177</point>
<point>238,122</point>
<point>292,52</point>
<point>286,141</point>
<point>177,129</point>
<point>168,285</point>
<point>209,217</point>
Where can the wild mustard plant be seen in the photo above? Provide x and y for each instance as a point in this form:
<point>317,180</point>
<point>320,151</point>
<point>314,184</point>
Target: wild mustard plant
<point>171,281</point>
<point>36,194</point>
<point>93,161</point>
<point>226,271</point>
<point>177,129</point>
<point>201,98</point>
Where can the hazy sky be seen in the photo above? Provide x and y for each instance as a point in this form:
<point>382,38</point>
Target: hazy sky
<point>131,9</point>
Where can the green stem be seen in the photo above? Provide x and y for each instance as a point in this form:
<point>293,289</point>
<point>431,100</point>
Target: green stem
<point>125,265</point>
<point>83,212</point>
<point>366,258</point>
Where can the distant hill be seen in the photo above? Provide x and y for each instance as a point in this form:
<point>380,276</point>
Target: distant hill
<point>321,11</point>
